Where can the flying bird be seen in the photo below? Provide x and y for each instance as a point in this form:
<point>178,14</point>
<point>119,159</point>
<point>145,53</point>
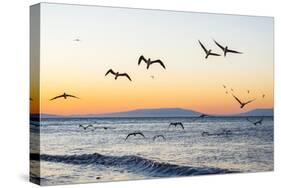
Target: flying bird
<point>149,62</point>
<point>242,104</point>
<point>201,116</point>
<point>224,86</point>
<point>208,52</point>
<point>205,133</point>
<point>135,134</point>
<point>176,124</point>
<point>105,128</point>
<point>256,122</point>
<point>64,95</point>
<point>85,127</point>
<point>158,136</point>
<point>117,74</point>
<point>224,132</point>
<point>263,95</point>
<point>226,50</point>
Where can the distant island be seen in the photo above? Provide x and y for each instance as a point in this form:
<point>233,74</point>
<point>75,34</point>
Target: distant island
<point>164,112</point>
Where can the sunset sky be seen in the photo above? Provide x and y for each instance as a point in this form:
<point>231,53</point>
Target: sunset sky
<point>115,38</point>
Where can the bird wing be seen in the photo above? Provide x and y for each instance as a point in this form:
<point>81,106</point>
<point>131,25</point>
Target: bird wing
<point>250,120</point>
<point>142,58</point>
<point>110,71</point>
<point>233,51</point>
<point>260,121</point>
<point>214,54</point>
<point>221,47</point>
<point>237,99</point>
<point>249,101</point>
<point>181,125</point>
<point>56,97</point>
<point>160,62</point>
<point>89,126</point>
<point>128,136</point>
<point>125,74</point>
<point>141,134</point>
<point>206,51</point>
<point>171,124</point>
<point>67,95</point>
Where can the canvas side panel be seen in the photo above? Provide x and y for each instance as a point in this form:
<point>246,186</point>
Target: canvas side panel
<point>34,94</point>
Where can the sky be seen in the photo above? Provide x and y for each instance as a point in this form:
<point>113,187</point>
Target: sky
<point>114,38</point>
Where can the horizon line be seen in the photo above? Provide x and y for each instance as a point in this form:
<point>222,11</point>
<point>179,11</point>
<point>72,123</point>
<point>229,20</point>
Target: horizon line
<point>126,111</point>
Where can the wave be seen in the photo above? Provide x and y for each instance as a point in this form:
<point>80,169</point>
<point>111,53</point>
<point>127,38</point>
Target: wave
<point>131,163</point>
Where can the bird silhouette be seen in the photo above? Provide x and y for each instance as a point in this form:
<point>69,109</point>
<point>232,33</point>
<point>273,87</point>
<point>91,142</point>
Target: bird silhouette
<point>201,116</point>
<point>263,95</point>
<point>226,50</point>
<point>224,132</point>
<point>256,122</point>
<point>135,134</point>
<point>105,128</point>
<point>117,74</point>
<point>64,95</point>
<point>205,133</point>
<point>208,52</point>
<point>85,127</point>
<point>176,124</point>
<point>224,86</point>
<point>242,104</point>
<point>158,136</point>
<point>149,62</point>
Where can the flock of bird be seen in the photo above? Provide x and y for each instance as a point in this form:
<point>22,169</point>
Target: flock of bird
<point>223,132</point>
<point>224,49</point>
<point>241,103</point>
<point>136,133</point>
<point>116,75</point>
<point>149,62</point>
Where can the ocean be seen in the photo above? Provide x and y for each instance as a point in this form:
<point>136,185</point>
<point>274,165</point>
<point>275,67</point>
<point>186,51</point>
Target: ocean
<point>69,154</point>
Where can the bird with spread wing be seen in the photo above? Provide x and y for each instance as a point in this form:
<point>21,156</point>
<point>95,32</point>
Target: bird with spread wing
<point>64,95</point>
<point>208,52</point>
<point>149,62</point>
<point>134,134</point>
<point>85,127</point>
<point>226,50</point>
<point>256,122</point>
<point>242,104</point>
<point>176,124</point>
<point>117,74</point>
